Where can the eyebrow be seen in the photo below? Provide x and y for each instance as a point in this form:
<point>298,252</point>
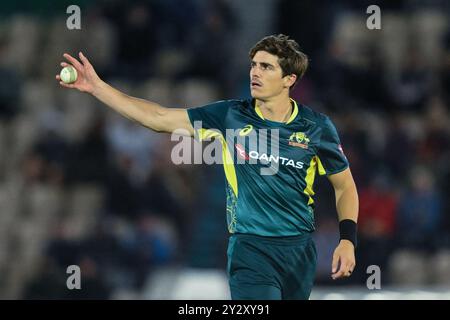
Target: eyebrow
<point>264,64</point>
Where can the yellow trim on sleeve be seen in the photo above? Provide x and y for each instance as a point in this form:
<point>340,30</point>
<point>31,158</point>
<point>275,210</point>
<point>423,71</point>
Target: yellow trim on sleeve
<point>310,176</point>
<point>207,134</point>
<point>227,159</point>
<point>321,169</point>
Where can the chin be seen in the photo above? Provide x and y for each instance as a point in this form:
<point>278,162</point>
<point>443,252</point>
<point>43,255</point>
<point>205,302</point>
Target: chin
<point>256,95</point>
<point>259,97</point>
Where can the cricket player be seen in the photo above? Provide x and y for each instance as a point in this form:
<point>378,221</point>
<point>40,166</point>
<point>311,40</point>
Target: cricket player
<point>271,254</point>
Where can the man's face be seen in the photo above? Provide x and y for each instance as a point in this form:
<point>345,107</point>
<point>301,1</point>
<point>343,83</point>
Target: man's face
<point>266,76</point>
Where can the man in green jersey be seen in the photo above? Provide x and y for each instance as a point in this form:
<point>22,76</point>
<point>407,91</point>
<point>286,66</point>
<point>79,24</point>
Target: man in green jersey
<point>270,176</point>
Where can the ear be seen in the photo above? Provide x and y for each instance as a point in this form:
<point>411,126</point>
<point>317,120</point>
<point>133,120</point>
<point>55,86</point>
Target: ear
<point>289,80</point>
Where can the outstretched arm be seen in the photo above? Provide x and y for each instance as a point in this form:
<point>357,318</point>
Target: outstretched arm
<point>347,206</point>
<point>146,113</point>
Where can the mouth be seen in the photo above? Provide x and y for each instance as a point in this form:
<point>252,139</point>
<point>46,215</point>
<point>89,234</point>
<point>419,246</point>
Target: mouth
<point>255,84</point>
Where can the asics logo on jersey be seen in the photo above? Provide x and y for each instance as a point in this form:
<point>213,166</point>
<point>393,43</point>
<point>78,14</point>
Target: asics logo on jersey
<point>246,130</point>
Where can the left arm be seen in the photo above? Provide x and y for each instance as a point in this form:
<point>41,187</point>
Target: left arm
<point>347,208</point>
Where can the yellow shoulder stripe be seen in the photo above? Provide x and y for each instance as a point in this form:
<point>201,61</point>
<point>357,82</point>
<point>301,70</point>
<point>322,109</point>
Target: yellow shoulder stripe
<point>227,159</point>
<point>322,170</point>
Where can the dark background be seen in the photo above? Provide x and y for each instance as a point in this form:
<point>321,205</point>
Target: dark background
<point>81,185</point>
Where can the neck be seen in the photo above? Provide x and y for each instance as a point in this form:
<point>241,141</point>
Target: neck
<point>277,109</point>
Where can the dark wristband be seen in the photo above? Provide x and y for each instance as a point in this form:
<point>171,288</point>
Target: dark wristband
<point>348,230</point>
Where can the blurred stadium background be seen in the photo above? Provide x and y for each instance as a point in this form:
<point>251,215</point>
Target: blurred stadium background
<point>81,185</point>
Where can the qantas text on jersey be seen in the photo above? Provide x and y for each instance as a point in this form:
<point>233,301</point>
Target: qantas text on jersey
<point>266,158</point>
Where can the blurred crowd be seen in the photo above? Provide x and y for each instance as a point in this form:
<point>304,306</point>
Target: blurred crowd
<point>81,185</point>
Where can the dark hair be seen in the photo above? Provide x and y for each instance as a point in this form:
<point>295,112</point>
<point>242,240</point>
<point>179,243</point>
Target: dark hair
<point>290,58</point>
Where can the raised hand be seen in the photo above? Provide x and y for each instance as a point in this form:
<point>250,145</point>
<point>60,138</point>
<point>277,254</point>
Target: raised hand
<point>87,79</point>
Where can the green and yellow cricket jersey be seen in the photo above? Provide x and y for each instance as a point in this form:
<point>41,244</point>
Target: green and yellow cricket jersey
<point>280,203</point>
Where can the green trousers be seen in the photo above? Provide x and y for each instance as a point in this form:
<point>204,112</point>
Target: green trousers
<point>271,268</point>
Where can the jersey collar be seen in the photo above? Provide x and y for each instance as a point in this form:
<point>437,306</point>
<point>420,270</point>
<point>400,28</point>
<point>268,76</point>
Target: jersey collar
<point>291,118</point>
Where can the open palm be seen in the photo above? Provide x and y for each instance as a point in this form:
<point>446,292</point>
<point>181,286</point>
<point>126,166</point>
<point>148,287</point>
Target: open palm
<point>87,77</point>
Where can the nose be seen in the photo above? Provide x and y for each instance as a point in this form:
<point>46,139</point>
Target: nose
<point>255,72</point>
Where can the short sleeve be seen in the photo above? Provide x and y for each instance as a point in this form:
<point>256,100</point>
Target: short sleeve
<point>330,153</point>
<point>209,118</point>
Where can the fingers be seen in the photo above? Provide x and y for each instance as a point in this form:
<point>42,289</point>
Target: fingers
<point>84,59</point>
<point>66,85</point>
<point>345,270</point>
<point>334,264</point>
<point>73,61</point>
<point>63,64</point>
<point>338,274</point>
